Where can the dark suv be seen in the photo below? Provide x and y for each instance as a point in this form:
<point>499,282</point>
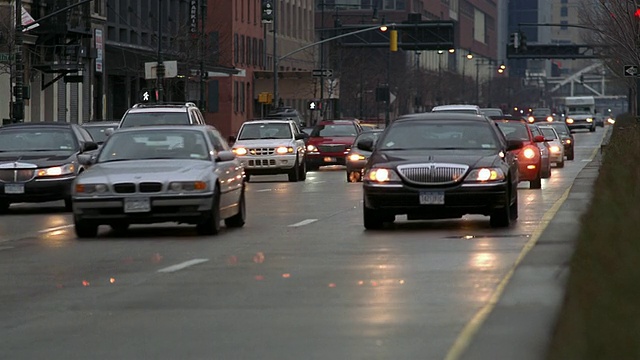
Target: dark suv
<point>162,114</point>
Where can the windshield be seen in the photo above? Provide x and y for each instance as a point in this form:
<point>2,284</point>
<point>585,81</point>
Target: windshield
<point>373,135</point>
<point>37,139</point>
<point>338,130</point>
<point>492,112</point>
<point>98,133</point>
<point>265,131</point>
<point>155,118</point>
<point>541,112</point>
<point>514,130</point>
<point>561,128</point>
<point>155,144</point>
<point>548,133</point>
<point>421,135</point>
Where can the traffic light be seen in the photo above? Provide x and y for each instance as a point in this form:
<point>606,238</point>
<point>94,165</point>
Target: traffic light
<point>315,105</point>
<point>267,11</point>
<point>523,41</point>
<point>637,13</point>
<point>393,40</point>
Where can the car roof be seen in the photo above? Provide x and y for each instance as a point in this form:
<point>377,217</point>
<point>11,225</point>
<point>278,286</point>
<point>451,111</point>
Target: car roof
<point>341,121</point>
<point>456,107</point>
<point>165,127</point>
<point>443,116</point>
<point>146,109</point>
<point>39,124</point>
<point>273,121</point>
<point>100,123</point>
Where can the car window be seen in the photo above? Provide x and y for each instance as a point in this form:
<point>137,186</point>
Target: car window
<point>514,130</point>
<point>420,135</point>
<point>535,131</point>
<point>216,140</point>
<point>155,118</point>
<point>541,112</point>
<point>265,131</point>
<point>155,144</point>
<point>492,112</point>
<point>561,129</point>
<point>368,135</point>
<point>548,133</point>
<point>335,130</point>
<point>38,139</point>
<point>98,133</point>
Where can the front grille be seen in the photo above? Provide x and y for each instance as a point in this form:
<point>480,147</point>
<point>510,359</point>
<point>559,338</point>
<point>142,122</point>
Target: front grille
<point>147,187</point>
<point>16,175</point>
<point>432,174</point>
<point>262,151</point>
<point>124,188</point>
<point>262,162</point>
<point>331,148</point>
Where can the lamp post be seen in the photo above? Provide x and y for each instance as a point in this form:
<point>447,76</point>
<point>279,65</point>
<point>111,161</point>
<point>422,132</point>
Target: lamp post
<point>276,99</point>
<point>203,76</point>
<point>160,65</point>
<point>387,118</point>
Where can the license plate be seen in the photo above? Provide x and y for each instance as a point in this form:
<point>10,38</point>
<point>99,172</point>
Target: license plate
<point>329,159</point>
<point>432,198</point>
<point>135,205</point>
<point>14,188</point>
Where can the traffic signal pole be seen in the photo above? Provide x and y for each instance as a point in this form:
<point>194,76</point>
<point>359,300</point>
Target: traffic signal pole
<point>160,64</point>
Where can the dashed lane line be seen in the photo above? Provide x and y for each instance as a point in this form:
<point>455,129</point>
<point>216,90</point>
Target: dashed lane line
<point>303,222</point>
<point>186,264</point>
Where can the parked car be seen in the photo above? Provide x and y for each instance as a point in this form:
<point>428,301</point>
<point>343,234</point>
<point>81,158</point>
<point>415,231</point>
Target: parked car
<point>330,142</point>
<point>436,166</point>
<point>556,149</point>
<point>544,151</point>
<point>144,175</point>
<point>100,130</point>
<point>270,147</point>
<point>162,114</point>
<point>567,138</point>
<point>529,156</point>
<point>39,161</point>
<point>356,158</point>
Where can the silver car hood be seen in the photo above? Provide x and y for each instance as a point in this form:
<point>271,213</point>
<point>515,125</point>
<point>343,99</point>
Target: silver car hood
<point>263,143</point>
<point>146,170</point>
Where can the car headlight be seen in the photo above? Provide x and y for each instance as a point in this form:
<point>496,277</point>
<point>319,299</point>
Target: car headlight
<point>555,149</point>
<point>528,153</point>
<point>179,186</point>
<point>91,188</point>
<point>549,118</point>
<point>312,148</point>
<point>57,170</point>
<point>283,150</point>
<point>356,157</point>
<point>568,141</point>
<point>569,121</point>
<point>589,120</point>
<point>485,174</point>
<point>382,175</point>
<point>611,121</point>
<point>531,119</point>
<point>240,151</point>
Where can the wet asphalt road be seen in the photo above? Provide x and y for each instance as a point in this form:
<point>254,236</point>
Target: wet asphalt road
<point>302,279</point>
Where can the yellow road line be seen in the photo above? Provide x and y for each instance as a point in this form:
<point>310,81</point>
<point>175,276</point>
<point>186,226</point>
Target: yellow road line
<point>472,327</point>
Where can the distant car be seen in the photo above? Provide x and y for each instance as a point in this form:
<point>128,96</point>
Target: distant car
<point>463,109</point>
<point>330,142</point>
<point>493,113</point>
<point>599,120</point>
<point>39,161</point>
<point>270,147</point>
<point>286,113</point>
<point>556,148</point>
<point>529,157</point>
<point>541,115</point>
<point>545,163</point>
<point>567,138</point>
<point>152,114</point>
<point>100,130</point>
<point>580,120</point>
<point>356,158</point>
<point>437,166</point>
<point>145,175</point>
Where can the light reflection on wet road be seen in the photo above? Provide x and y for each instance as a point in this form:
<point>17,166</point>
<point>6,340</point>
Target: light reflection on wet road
<point>302,279</point>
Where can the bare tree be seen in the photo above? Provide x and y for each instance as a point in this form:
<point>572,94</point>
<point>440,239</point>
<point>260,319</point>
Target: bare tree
<point>616,32</point>
<point>7,43</point>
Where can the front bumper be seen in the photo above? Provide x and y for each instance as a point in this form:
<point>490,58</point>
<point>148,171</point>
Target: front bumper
<point>459,200</point>
<point>39,190</point>
<point>581,124</point>
<point>322,159</point>
<point>175,208</point>
<point>355,166</point>
<point>528,171</point>
<point>272,164</point>
<point>556,157</point>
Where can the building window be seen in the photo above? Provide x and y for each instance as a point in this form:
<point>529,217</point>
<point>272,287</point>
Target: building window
<point>564,11</point>
<point>242,49</point>
<point>242,97</point>
<point>236,104</point>
<point>255,52</point>
<point>248,51</point>
<point>563,25</point>
<point>236,49</point>
<point>563,1</point>
<point>261,53</point>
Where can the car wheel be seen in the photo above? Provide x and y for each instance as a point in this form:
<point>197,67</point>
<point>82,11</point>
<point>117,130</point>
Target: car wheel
<point>311,167</point>
<point>502,217</point>
<point>211,224</point>
<point>85,229</point>
<point>514,209</point>
<point>294,172</point>
<point>119,227</point>
<point>570,155</point>
<point>247,177</point>
<point>536,183</point>
<point>561,163</point>
<point>302,174</point>
<point>68,204</point>
<point>4,207</point>
<point>592,129</point>
<point>374,219</point>
<point>238,219</point>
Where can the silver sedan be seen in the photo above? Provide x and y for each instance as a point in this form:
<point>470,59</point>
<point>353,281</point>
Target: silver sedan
<point>143,175</point>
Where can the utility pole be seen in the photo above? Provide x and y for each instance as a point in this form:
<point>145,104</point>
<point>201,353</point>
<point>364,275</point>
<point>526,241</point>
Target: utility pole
<point>276,99</point>
<point>387,118</point>
<point>203,75</point>
<point>322,60</point>
<point>18,105</point>
<point>160,65</point>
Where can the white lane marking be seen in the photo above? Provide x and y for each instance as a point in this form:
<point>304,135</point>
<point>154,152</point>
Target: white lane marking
<point>303,222</point>
<point>6,248</point>
<point>263,190</point>
<point>586,160</point>
<point>186,264</point>
<point>55,228</point>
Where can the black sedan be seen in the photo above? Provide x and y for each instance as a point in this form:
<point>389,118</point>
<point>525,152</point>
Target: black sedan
<point>436,166</point>
<point>100,130</point>
<point>357,158</point>
<point>567,138</point>
<point>38,161</point>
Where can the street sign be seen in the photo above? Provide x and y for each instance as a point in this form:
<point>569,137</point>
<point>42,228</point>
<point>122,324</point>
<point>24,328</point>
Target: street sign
<point>6,57</point>
<point>631,70</point>
<point>170,69</point>
<point>322,73</point>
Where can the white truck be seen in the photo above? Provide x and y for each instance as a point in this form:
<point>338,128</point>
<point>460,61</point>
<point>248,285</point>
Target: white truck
<point>580,112</point>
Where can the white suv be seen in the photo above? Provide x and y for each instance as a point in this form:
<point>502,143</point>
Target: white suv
<point>162,114</point>
<point>269,147</point>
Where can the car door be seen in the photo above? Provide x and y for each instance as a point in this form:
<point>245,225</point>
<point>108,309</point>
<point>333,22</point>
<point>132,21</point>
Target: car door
<point>300,143</point>
<point>229,172</point>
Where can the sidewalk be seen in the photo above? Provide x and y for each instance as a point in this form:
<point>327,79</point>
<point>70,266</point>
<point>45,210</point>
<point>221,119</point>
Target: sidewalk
<point>522,322</point>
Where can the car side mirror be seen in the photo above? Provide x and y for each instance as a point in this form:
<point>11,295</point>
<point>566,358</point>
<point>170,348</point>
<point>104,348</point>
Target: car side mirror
<point>539,138</point>
<point>302,136</point>
<point>514,145</point>
<point>109,131</point>
<point>89,145</point>
<point>365,144</point>
<point>225,156</point>
<point>87,159</point>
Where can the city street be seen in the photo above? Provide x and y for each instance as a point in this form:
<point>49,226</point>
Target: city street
<point>301,280</point>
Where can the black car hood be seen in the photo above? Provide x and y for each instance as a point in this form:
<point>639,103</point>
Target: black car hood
<point>472,158</point>
<point>38,158</point>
